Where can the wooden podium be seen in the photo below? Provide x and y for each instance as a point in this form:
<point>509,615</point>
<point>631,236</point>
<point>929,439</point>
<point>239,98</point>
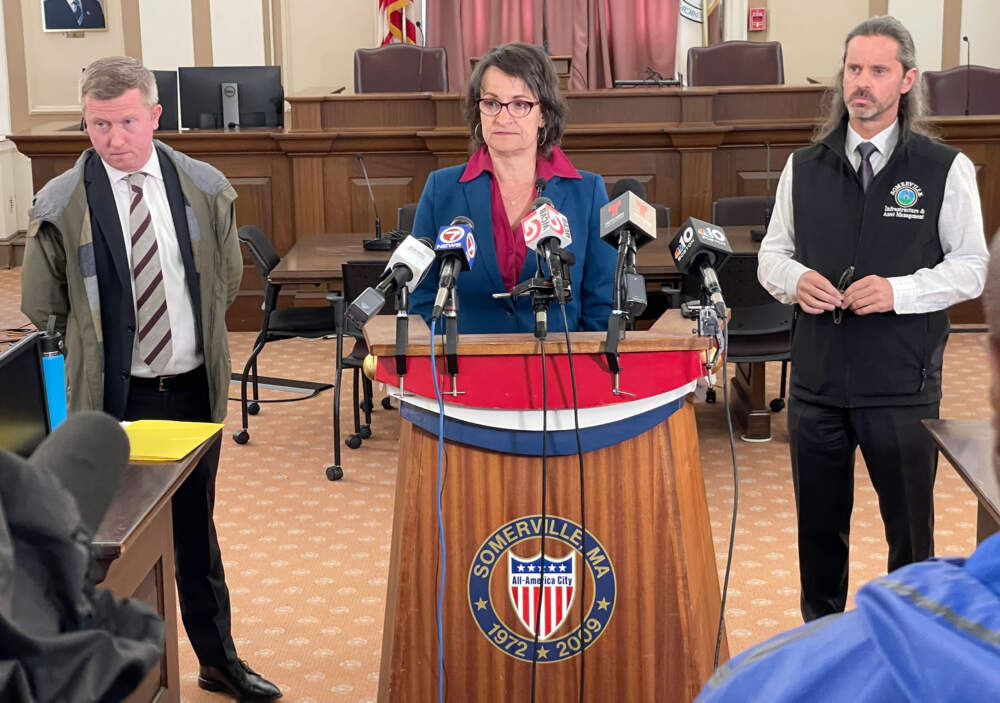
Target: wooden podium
<point>648,584</point>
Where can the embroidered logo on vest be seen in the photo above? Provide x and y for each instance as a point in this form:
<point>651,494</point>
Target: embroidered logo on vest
<point>906,194</point>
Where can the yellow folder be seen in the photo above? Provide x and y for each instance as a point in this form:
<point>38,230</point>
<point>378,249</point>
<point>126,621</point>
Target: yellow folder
<point>166,440</point>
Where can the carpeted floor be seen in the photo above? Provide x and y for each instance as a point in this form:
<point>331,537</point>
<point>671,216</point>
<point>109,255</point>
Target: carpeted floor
<point>307,559</point>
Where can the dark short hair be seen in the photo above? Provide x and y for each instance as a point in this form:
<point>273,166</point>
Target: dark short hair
<point>531,65</point>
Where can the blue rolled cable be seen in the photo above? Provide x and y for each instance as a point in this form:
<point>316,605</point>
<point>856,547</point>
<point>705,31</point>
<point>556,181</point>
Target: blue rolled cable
<point>440,517</point>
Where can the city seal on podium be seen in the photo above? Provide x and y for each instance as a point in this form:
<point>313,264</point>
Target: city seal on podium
<point>509,613</point>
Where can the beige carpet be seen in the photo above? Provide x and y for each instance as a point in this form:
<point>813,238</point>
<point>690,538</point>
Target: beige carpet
<point>307,559</point>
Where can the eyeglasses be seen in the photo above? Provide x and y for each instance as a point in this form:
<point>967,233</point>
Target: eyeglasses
<point>515,108</point>
<point>846,279</point>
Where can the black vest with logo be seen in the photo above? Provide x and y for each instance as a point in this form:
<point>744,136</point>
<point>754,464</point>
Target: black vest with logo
<point>879,359</point>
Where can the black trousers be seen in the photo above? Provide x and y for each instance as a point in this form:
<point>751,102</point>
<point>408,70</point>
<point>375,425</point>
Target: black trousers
<point>902,463</point>
<point>201,581</point>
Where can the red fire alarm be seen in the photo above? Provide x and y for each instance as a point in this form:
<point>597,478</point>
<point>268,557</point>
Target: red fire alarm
<point>758,19</point>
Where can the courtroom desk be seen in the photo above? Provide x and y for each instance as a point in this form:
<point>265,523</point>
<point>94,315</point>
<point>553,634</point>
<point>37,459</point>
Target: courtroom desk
<point>687,146</point>
<point>134,548</point>
<point>969,447</point>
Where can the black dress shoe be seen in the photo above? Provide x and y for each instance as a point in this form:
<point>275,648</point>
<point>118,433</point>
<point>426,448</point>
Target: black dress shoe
<point>239,681</point>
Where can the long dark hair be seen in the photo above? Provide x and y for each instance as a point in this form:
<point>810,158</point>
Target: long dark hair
<point>531,65</point>
<point>912,104</point>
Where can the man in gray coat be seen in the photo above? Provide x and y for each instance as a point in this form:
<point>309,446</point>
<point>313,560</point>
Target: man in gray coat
<point>134,250</point>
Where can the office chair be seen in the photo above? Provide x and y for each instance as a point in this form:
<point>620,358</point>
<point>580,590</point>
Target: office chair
<point>760,327</point>
<point>742,210</point>
<point>405,216</point>
<point>401,68</point>
<point>287,323</point>
<point>736,63</point>
<point>949,92</point>
<point>359,275</point>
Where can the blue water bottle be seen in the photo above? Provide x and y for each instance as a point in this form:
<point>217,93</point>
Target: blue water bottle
<point>54,370</point>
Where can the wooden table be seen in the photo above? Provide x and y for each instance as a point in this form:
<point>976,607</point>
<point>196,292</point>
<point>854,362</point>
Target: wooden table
<point>134,547</point>
<point>317,259</point>
<point>969,445</point>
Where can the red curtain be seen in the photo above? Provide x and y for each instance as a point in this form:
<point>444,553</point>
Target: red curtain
<point>608,39</point>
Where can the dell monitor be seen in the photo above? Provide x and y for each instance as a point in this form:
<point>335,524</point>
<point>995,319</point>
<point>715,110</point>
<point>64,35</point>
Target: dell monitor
<point>219,97</point>
<point>24,408</point>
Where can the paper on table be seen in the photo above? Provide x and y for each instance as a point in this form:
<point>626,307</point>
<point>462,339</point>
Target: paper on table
<point>166,440</point>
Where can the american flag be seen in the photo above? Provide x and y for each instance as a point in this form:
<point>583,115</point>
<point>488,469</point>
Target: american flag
<point>392,16</point>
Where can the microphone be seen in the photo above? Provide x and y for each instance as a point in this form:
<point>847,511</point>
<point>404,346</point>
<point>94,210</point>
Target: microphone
<point>377,244</point>
<point>88,453</point>
<point>456,247</point>
<point>628,212</point>
<point>968,71</point>
<point>546,232</point>
<point>407,267</point>
<point>701,247</point>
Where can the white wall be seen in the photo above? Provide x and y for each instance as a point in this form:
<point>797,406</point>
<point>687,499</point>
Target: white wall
<point>980,20</point>
<point>238,32</point>
<point>167,38</point>
<point>811,34</point>
<point>319,38</point>
<point>924,19</point>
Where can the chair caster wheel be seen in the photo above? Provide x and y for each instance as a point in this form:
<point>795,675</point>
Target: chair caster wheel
<point>710,395</point>
<point>353,441</point>
<point>241,436</point>
<point>334,473</point>
<point>253,408</point>
<point>387,403</point>
<point>366,406</point>
<point>366,432</point>
<point>777,405</point>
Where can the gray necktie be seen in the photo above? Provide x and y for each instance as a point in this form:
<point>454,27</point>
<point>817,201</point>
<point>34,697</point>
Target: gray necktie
<point>78,11</point>
<point>152,319</point>
<point>866,149</point>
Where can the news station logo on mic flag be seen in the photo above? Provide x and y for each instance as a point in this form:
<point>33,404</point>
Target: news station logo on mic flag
<point>543,220</point>
<point>392,19</point>
<point>457,237</point>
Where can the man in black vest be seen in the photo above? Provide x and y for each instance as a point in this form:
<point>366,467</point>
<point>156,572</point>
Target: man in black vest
<point>134,250</point>
<point>879,231</point>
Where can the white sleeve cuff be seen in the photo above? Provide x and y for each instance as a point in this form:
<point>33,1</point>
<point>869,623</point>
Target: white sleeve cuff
<point>904,294</point>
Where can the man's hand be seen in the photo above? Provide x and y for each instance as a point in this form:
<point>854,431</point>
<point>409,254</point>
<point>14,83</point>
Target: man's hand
<point>870,294</point>
<point>816,294</point>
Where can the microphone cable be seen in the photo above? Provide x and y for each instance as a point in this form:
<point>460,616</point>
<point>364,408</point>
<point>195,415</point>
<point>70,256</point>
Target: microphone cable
<point>440,517</point>
<point>736,491</point>
<point>541,581</point>
<point>583,512</point>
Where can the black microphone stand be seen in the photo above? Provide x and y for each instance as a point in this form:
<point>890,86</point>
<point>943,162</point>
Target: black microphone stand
<point>451,339</point>
<point>402,335</point>
<point>542,292</point>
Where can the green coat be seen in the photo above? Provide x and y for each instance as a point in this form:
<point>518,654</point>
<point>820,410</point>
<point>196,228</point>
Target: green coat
<point>58,275</point>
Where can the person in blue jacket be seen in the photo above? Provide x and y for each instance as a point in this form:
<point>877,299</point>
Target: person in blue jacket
<point>516,116</point>
<point>929,631</point>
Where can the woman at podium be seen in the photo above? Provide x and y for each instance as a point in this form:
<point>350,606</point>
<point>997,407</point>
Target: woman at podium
<point>516,117</point>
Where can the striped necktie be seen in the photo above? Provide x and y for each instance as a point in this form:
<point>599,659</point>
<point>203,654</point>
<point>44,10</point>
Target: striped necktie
<point>152,319</point>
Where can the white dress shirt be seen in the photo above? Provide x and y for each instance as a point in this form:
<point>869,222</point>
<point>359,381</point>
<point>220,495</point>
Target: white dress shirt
<point>959,276</point>
<point>184,340</point>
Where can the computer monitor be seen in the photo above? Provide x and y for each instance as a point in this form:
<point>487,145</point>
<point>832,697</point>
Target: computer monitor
<point>24,409</point>
<point>166,87</point>
<point>221,97</point>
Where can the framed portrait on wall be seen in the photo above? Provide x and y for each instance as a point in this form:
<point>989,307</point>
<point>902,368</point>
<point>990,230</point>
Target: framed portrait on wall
<point>73,15</point>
